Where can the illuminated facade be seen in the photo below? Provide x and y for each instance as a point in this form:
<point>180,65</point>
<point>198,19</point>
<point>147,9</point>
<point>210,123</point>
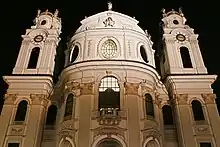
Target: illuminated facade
<point>109,93</point>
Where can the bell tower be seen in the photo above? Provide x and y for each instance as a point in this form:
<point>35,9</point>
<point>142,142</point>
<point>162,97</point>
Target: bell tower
<point>38,47</point>
<point>188,83</point>
<point>181,53</point>
<point>31,84</point>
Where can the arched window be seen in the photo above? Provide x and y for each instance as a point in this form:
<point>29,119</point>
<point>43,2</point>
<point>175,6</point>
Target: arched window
<point>109,95</point>
<point>34,58</point>
<point>197,110</point>
<point>74,53</point>
<point>69,106</point>
<point>167,115</point>
<point>149,105</point>
<point>185,57</point>
<point>109,143</point>
<point>21,111</point>
<point>152,143</point>
<point>143,54</point>
<point>51,115</point>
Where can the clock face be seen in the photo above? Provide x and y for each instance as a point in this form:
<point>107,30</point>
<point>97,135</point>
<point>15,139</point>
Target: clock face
<point>38,38</point>
<point>180,37</point>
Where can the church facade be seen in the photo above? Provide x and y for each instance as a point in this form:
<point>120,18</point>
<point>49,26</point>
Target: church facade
<point>109,93</point>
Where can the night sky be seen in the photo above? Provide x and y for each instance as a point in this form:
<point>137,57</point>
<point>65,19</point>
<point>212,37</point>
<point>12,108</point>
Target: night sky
<point>17,16</point>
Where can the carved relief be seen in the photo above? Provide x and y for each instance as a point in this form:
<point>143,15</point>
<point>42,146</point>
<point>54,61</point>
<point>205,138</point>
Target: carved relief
<point>39,99</point>
<point>67,129</point>
<point>109,130</point>
<point>131,88</point>
<point>74,87</point>
<point>151,132</point>
<point>209,98</point>
<point>181,99</point>
<point>201,129</point>
<point>129,47</point>
<point>89,47</point>
<point>10,98</point>
<point>17,130</point>
<point>109,22</point>
<point>158,102</point>
<point>87,88</point>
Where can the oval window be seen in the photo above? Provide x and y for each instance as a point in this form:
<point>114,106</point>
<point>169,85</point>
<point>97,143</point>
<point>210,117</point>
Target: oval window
<point>74,54</point>
<point>175,22</point>
<point>143,54</point>
<point>43,22</point>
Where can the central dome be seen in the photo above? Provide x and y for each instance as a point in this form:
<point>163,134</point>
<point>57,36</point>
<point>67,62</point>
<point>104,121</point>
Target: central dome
<point>108,36</point>
<point>109,19</point>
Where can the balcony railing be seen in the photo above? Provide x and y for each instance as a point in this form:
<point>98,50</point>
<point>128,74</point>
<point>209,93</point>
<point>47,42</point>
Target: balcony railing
<point>109,116</point>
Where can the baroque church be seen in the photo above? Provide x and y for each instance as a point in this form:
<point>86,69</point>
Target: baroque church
<point>109,93</point>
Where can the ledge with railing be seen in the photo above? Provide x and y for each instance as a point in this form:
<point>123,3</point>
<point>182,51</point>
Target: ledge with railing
<point>109,116</point>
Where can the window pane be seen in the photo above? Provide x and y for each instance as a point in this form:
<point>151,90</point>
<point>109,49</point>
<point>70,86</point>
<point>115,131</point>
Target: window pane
<point>205,144</point>
<point>13,144</point>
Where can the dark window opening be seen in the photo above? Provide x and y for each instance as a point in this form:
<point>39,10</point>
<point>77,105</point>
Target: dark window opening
<point>175,22</point>
<point>185,57</point>
<point>109,96</point>
<point>143,54</point>
<point>13,144</point>
<point>43,22</point>
<point>69,106</point>
<point>21,111</point>
<point>75,53</point>
<point>205,144</point>
<point>167,115</point>
<point>149,105</point>
<point>197,110</point>
<point>109,143</point>
<point>51,115</point>
<point>34,58</point>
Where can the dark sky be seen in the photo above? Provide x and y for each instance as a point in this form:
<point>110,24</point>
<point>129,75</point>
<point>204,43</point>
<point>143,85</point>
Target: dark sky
<point>17,16</point>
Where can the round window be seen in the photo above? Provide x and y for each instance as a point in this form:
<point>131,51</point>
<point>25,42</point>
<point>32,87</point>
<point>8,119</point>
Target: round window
<point>109,49</point>
<point>43,22</point>
<point>175,22</point>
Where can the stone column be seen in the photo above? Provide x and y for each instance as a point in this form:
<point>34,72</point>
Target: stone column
<point>183,121</point>
<point>212,116</point>
<point>131,104</point>
<point>36,119</point>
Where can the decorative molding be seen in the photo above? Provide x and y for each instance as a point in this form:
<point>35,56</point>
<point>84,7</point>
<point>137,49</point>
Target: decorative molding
<point>17,130</point>
<point>209,98</point>
<point>39,99</point>
<point>151,132</point>
<point>109,130</point>
<point>129,47</point>
<point>89,47</point>
<point>67,129</point>
<point>10,98</point>
<point>73,87</point>
<point>131,88</point>
<point>87,88</point>
<point>181,99</point>
<point>109,22</point>
<point>201,129</point>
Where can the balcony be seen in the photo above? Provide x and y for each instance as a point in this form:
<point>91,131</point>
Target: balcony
<point>109,116</point>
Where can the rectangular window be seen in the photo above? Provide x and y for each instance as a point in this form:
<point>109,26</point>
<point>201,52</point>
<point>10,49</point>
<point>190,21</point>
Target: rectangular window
<point>13,144</point>
<point>205,144</point>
